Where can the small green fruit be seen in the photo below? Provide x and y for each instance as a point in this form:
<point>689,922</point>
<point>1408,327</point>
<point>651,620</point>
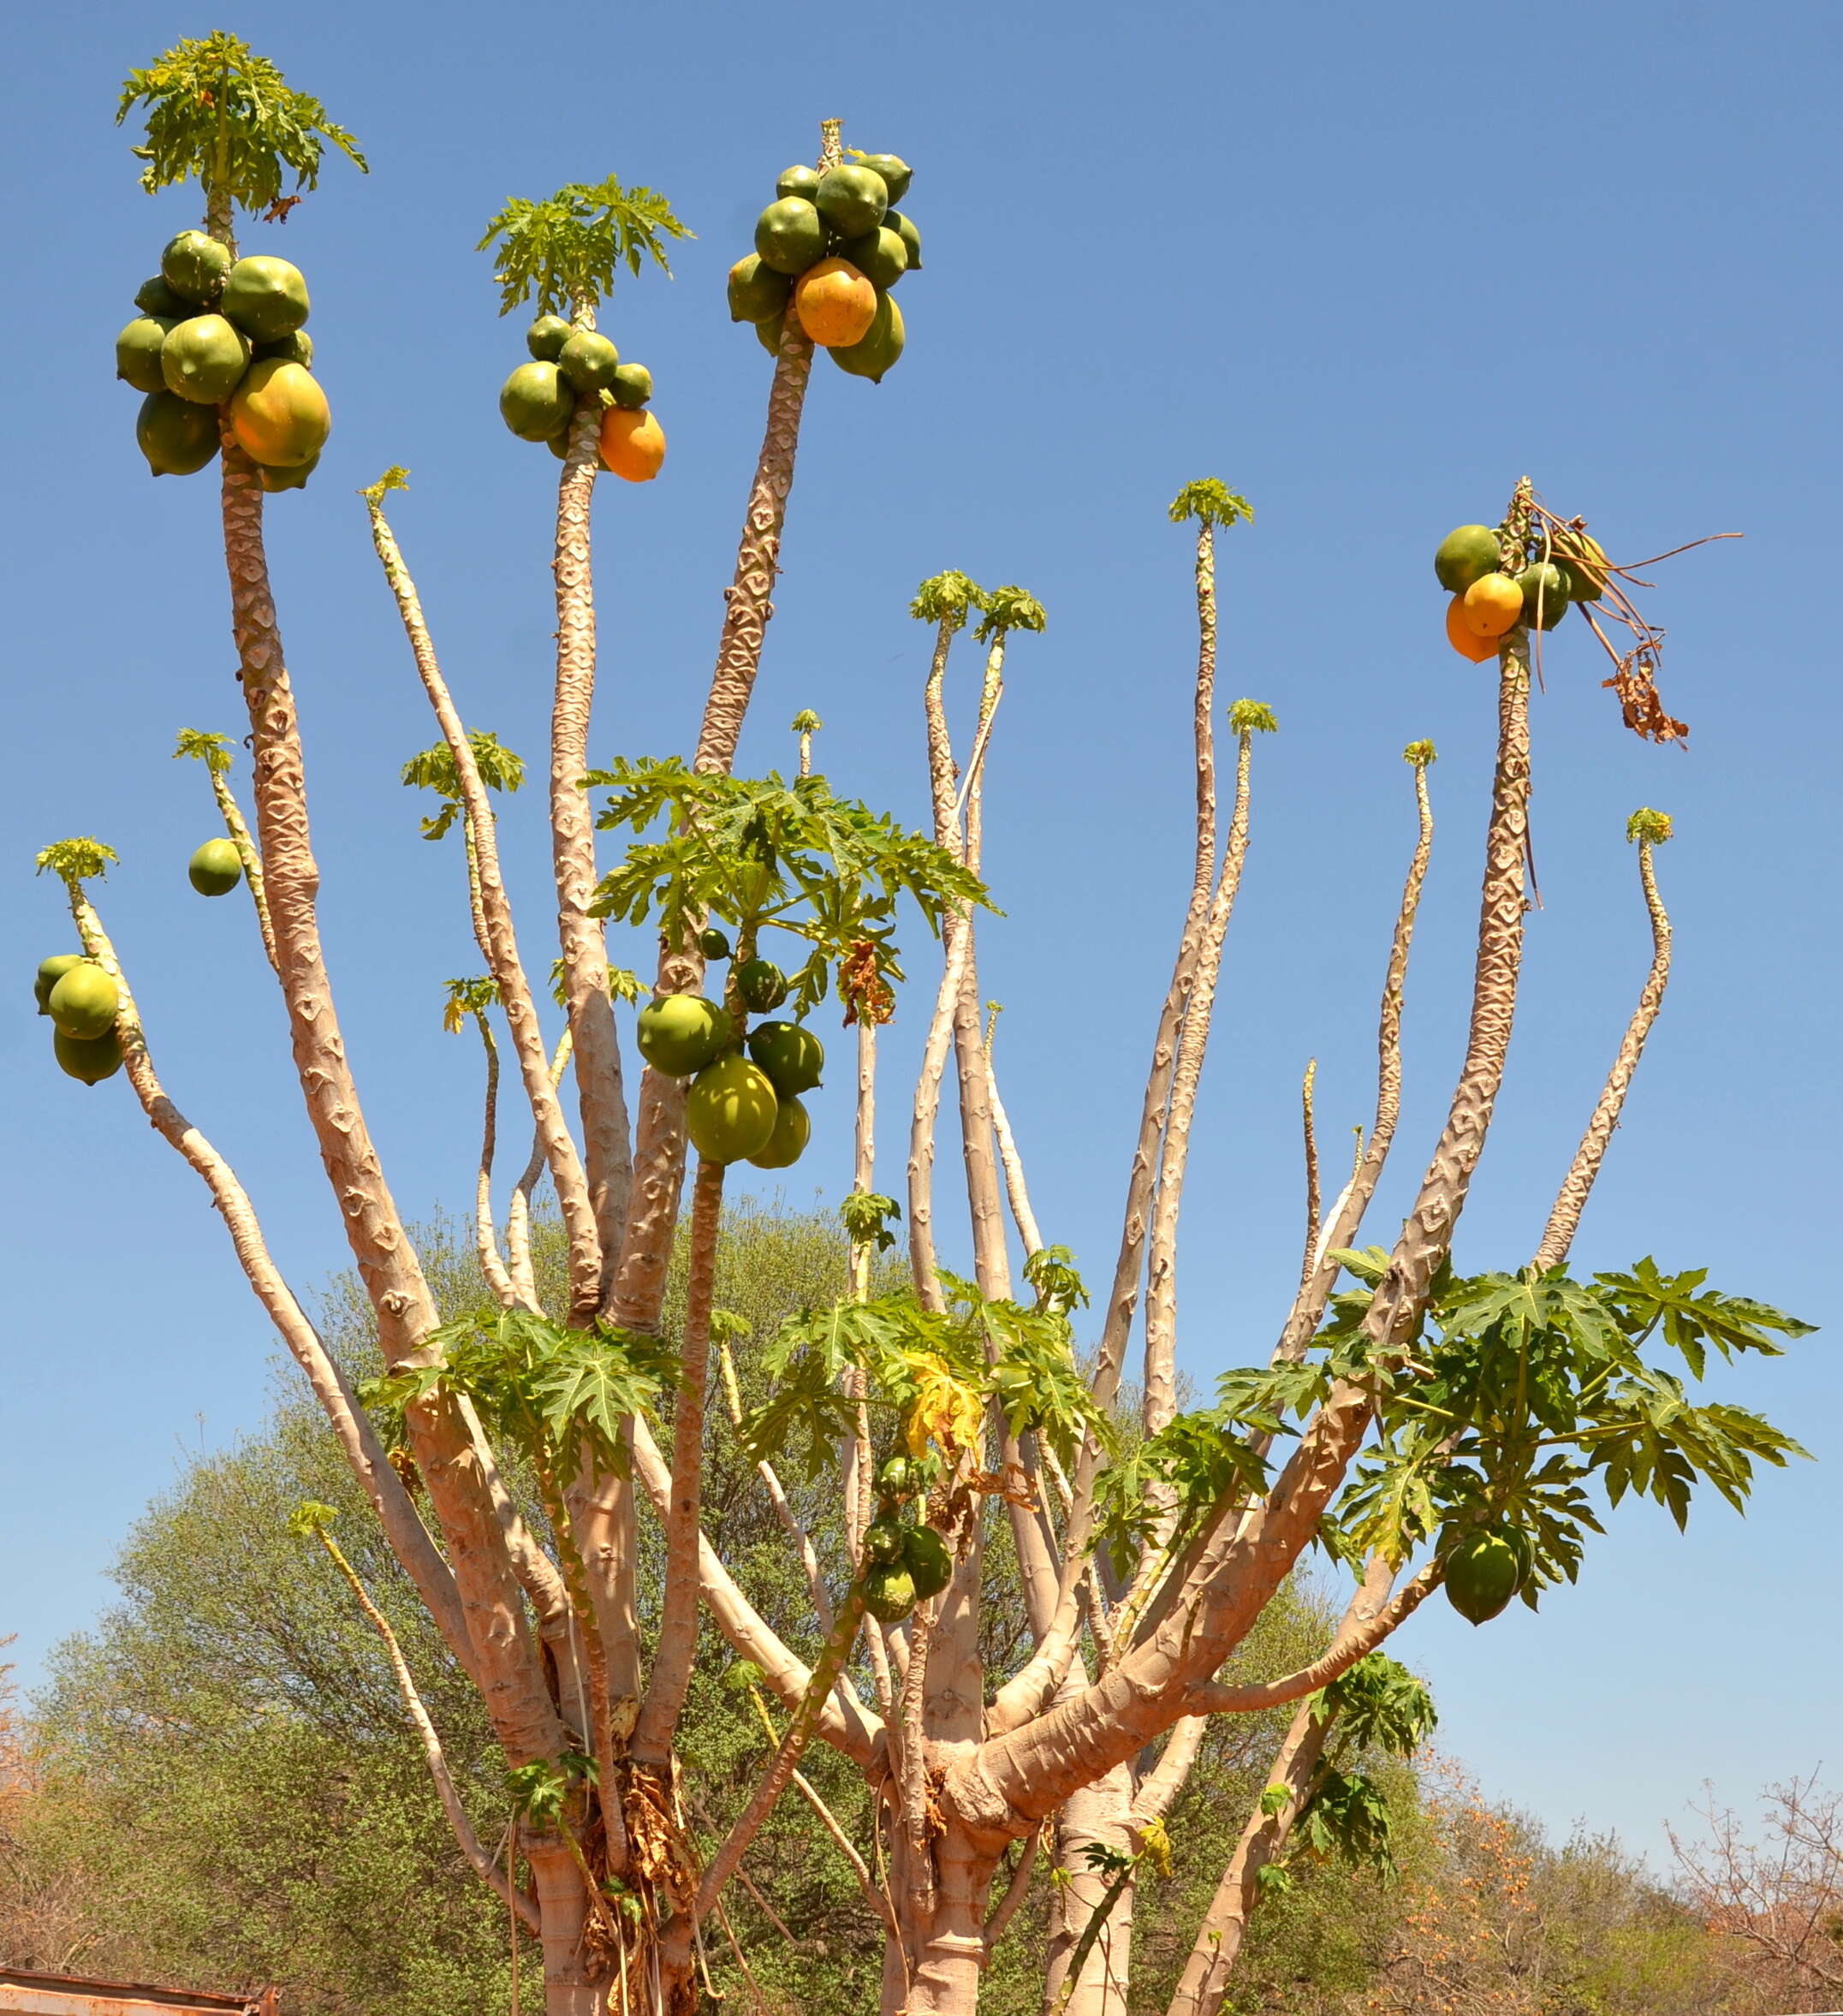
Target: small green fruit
<point>712,943</point>
<point>1545,595</point>
<point>194,264</point>
<point>895,1477</point>
<point>84,1002</point>
<point>757,292</point>
<point>137,353</point>
<point>296,347</point>
<point>631,386</point>
<point>294,478</point>
<point>878,347</point>
<point>217,868</point>
<point>895,221</point>
<point>768,334</point>
<point>535,404</point>
<point>204,358</point>
<point>880,255</point>
<point>680,1034</point>
<point>791,1055</point>
<point>883,1541</point>
<point>926,1555</point>
<point>798,180</point>
<point>265,297</point>
<point>546,338</point>
<point>790,235</point>
<point>1483,1572</point>
<point>154,297</point>
<point>729,1114</point>
<point>177,436</point>
<point>588,361</point>
<point>788,1142</point>
<point>851,200</point>
<point>51,972</point>
<point>888,1592</point>
<point>760,985</point>
<point>1466,554</point>
<point>91,1059</point>
<point>895,173</point>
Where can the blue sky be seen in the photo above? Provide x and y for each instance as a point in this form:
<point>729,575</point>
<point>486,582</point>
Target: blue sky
<point>1366,264</point>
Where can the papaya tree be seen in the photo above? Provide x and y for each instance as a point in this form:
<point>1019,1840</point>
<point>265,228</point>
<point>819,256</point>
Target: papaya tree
<point>1420,1428</point>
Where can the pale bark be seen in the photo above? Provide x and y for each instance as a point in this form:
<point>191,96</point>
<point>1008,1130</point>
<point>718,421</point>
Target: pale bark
<point>518,1212</point>
<point>1161,1281</point>
<point>358,1439</point>
<point>453,1462</point>
<point>501,939</point>
<point>601,1099</point>
<point>846,1724</point>
<point>1564,1219</point>
<point>238,828</point>
<point>1096,1814</point>
<point>1022,1774</point>
<point>485,1233</point>
<point>1314,1198</point>
<point>677,1644</point>
<point>1017,1191</point>
<point>459,1824</point>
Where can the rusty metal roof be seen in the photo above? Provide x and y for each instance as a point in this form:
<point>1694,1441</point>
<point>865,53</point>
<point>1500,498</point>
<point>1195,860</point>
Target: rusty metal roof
<point>24,1993</point>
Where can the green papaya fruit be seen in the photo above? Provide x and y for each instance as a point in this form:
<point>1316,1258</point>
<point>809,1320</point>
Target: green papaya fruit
<point>768,334</point>
<point>1465,555</point>
<point>137,353</point>
<point>791,1055</point>
<point>631,386</point>
<point>294,478</point>
<point>1545,595</point>
<point>84,1002</point>
<point>1482,1574</point>
<point>729,1113</point>
<point>558,444</point>
<point>880,255</point>
<point>757,292</point>
<point>91,1059</point>
<point>926,1557</point>
<point>204,358</point>
<point>51,972</point>
<point>788,1142</point>
<point>154,297</point>
<point>895,171</point>
<point>176,435</point>
<point>883,1541</point>
<point>790,235</point>
<point>878,347</point>
<point>896,221</point>
<point>760,985</point>
<point>1583,562</point>
<point>895,1477</point>
<point>888,1592</point>
<point>217,868</point>
<point>798,180</point>
<point>712,943</point>
<point>680,1034</point>
<point>546,338</point>
<point>296,347</point>
<point>588,361</point>
<point>265,297</point>
<point>851,200</point>
<point>194,265</point>
<point>535,404</point>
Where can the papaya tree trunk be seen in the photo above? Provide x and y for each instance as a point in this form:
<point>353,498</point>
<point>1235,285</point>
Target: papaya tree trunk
<point>1096,1816</point>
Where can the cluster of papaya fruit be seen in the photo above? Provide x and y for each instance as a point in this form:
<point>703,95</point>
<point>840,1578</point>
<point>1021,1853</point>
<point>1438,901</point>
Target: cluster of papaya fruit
<point>538,401</point>
<point>827,250</point>
<point>1486,1570</point>
<point>1493,593</point>
<point>218,338</point>
<point>740,1108</point>
<point>82,1001</point>
<point>905,1563</point>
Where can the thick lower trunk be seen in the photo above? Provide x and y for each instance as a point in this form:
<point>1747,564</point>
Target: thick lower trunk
<point>1098,1816</point>
<point>938,1969</point>
<point>572,1986</point>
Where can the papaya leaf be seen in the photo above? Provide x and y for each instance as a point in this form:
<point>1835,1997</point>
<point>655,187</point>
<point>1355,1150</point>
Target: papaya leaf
<point>566,249</point>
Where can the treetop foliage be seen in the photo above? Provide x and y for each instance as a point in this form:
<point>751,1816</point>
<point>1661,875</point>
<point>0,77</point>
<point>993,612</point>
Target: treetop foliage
<point>1008,609</point>
<point>561,254</point>
<point>1211,501</point>
<point>76,860</point>
<point>946,598</point>
<point>1420,754</point>
<point>217,110</point>
<point>1252,718</point>
<point>1646,824</point>
<point>433,770</point>
<point>210,749</point>
<point>763,853</point>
